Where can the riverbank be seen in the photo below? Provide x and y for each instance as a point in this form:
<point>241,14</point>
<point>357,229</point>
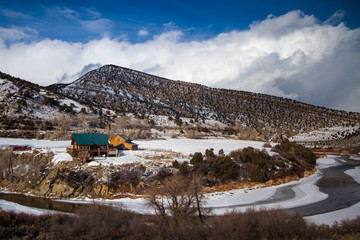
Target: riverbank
<point>305,196</point>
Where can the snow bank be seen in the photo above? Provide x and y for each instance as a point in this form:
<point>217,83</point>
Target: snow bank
<point>17,208</point>
<point>138,205</point>
<point>222,202</point>
<point>354,173</point>
<point>128,157</point>
<point>328,161</point>
<point>306,192</point>
<point>354,158</point>
<point>337,216</point>
<point>61,157</point>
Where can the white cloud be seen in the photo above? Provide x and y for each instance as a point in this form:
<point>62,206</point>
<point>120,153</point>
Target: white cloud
<point>15,34</point>
<point>68,13</point>
<point>13,14</point>
<point>88,19</point>
<point>293,55</point>
<point>336,18</point>
<point>97,26</point>
<point>143,32</point>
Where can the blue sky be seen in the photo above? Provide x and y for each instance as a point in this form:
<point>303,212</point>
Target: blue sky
<point>300,49</point>
<point>138,21</point>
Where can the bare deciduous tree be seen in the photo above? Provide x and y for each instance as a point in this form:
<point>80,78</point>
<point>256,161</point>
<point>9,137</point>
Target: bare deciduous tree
<point>7,164</point>
<point>63,125</point>
<point>180,202</point>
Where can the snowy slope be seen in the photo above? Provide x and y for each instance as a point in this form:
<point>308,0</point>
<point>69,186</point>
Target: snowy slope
<point>119,88</point>
<point>324,134</point>
<point>28,101</point>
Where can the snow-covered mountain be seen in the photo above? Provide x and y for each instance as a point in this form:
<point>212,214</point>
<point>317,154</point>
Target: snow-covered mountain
<point>126,90</point>
<point>110,91</point>
<point>27,106</point>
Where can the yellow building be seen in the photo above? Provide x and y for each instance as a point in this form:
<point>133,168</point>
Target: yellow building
<point>123,141</point>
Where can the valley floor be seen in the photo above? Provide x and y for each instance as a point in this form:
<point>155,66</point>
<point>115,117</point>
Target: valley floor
<point>293,194</point>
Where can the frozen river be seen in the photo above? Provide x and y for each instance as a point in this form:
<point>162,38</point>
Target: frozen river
<point>327,196</point>
<point>339,191</point>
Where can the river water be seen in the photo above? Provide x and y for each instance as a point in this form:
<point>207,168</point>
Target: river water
<point>342,190</point>
<point>42,203</point>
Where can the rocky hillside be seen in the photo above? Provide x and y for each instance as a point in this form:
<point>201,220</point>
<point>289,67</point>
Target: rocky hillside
<point>125,90</point>
<point>21,101</point>
<point>111,91</point>
<point>25,106</point>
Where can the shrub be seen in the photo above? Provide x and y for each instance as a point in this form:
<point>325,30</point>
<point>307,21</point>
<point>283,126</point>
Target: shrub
<point>267,145</point>
<point>257,174</point>
<point>193,134</point>
<point>284,146</point>
<point>101,222</point>
<point>175,164</point>
<point>79,179</point>
<point>291,150</point>
<point>124,178</point>
<point>224,168</point>
<point>184,169</point>
<point>162,174</point>
<point>209,153</point>
<point>197,159</point>
<point>305,154</point>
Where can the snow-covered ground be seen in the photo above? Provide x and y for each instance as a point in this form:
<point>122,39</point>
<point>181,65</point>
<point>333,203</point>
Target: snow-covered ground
<point>354,173</point>
<point>183,146</point>
<point>306,191</point>
<point>189,146</point>
<point>17,208</point>
<point>324,134</point>
<point>35,143</point>
<point>330,217</point>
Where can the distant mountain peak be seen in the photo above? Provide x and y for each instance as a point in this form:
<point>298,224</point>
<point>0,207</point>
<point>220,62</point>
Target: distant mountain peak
<point>126,90</point>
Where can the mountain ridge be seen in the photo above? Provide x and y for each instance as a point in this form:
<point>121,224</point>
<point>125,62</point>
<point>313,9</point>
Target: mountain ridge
<point>111,91</point>
<point>126,90</point>
<point>60,85</point>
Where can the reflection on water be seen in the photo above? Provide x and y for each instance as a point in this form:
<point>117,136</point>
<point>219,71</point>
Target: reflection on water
<point>43,203</point>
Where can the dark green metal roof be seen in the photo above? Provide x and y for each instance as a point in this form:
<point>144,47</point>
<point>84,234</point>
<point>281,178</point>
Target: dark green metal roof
<point>127,139</point>
<point>90,138</point>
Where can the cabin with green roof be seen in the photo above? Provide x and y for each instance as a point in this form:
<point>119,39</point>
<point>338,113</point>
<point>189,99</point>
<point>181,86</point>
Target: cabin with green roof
<point>89,145</point>
<point>123,141</point>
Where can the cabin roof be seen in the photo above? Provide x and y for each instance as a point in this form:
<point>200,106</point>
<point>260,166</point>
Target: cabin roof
<point>90,138</point>
<point>126,138</point>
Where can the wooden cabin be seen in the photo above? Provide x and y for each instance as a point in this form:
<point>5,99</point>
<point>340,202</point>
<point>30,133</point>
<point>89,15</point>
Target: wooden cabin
<point>123,141</point>
<point>86,145</point>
